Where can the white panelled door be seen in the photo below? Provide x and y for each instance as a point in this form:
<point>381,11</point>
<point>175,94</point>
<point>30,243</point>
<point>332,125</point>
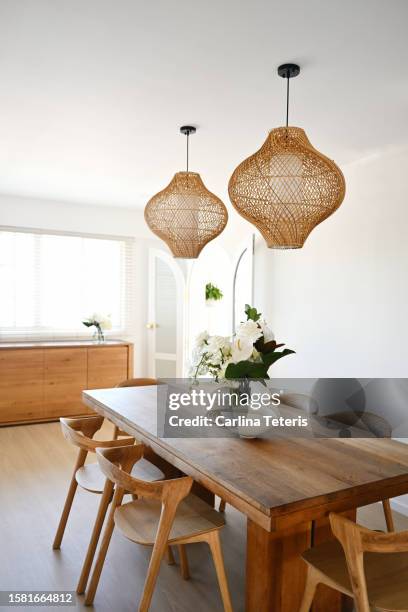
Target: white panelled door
<point>165,326</point>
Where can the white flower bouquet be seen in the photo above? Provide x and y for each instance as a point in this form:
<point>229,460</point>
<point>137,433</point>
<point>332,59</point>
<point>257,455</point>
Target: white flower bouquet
<point>100,322</point>
<point>249,354</point>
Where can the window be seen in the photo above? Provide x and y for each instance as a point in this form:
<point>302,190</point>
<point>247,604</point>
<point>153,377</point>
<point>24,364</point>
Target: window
<point>50,282</point>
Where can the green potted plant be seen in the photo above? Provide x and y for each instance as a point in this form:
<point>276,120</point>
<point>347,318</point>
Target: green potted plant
<point>212,294</point>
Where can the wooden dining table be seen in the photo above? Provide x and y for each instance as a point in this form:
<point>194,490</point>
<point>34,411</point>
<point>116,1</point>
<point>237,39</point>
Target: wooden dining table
<point>285,487</point>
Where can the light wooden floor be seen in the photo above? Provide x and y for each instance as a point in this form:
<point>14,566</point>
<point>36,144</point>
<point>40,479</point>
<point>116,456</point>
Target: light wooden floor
<point>35,466</point>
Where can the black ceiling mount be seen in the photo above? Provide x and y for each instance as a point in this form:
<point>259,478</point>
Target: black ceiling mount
<point>288,71</point>
<point>188,129</point>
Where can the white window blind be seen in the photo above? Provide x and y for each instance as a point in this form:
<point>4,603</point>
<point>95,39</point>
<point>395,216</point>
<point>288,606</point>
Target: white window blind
<point>50,282</point>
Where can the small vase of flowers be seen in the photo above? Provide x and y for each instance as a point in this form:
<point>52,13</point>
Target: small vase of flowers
<point>249,354</point>
<point>101,323</point>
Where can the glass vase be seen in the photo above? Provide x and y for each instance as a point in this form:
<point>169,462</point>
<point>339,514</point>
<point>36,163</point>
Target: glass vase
<point>98,334</point>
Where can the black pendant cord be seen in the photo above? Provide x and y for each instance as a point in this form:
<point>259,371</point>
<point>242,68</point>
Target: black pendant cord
<point>288,71</point>
<point>188,136</point>
<point>187,130</point>
<point>287,100</point>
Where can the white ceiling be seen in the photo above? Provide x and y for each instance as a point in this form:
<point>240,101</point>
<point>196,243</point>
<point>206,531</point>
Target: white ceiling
<point>92,93</point>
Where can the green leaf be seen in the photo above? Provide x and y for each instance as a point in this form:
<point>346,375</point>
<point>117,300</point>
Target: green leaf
<point>87,323</point>
<point>252,313</point>
<point>267,347</point>
<point>270,358</point>
<point>212,292</point>
<point>246,369</point>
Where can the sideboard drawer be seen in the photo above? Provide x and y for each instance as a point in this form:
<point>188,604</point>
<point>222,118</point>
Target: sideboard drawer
<point>107,368</point>
<point>21,384</point>
<point>65,377</point>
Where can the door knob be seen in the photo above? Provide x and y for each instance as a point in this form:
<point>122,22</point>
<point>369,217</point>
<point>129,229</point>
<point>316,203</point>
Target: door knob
<point>151,326</point>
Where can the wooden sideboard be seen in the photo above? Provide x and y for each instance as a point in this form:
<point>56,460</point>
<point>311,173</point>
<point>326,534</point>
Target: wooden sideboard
<point>41,381</point>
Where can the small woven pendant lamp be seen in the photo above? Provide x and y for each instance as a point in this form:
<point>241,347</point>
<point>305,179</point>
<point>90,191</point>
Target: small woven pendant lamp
<point>287,187</point>
<point>185,214</point>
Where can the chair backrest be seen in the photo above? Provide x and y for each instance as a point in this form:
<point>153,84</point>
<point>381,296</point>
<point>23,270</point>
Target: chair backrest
<point>356,540</point>
<point>81,431</point>
<point>138,382</point>
<point>300,401</point>
<point>117,463</point>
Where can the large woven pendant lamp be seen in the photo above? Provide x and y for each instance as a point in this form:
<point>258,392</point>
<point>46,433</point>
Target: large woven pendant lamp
<point>185,214</point>
<point>287,187</point>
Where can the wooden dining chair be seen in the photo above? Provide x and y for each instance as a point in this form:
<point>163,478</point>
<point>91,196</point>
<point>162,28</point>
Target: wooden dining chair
<point>139,382</point>
<point>80,432</point>
<point>164,514</point>
<point>132,382</point>
<point>369,566</point>
<point>379,427</point>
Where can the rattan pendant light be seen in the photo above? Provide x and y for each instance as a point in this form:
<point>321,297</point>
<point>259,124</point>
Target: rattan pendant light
<point>287,187</point>
<point>185,214</point>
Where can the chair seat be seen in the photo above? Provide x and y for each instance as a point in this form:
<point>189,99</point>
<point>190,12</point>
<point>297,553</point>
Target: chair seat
<point>90,477</point>
<point>138,520</point>
<point>386,574</point>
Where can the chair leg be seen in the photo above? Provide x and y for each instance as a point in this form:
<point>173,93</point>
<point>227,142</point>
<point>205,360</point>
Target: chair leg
<point>115,432</point>
<point>103,549</point>
<point>222,505</point>
<point>168,513</point>
<point>170,556</point>
<point>103,506</point>
<point>389,519</point>
<point>185,572</point>
<point>213,539</point>
<point>152,573</point>
<point>312,581</point>
<point>69,499</point>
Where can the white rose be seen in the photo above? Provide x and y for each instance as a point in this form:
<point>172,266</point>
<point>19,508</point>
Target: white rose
<point>241,350</point>
<point>105,322</point>
<point>266,330</point>
<point>201,339</point>
<point>218,343</point>
<point>249,331</point>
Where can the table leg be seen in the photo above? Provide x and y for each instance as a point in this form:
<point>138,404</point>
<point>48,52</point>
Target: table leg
<point>275,572</point>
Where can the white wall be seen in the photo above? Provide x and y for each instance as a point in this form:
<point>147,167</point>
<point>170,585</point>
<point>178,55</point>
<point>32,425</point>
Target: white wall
<point>70,217</point>
<point>62,216</point>
<point>341,300</point>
